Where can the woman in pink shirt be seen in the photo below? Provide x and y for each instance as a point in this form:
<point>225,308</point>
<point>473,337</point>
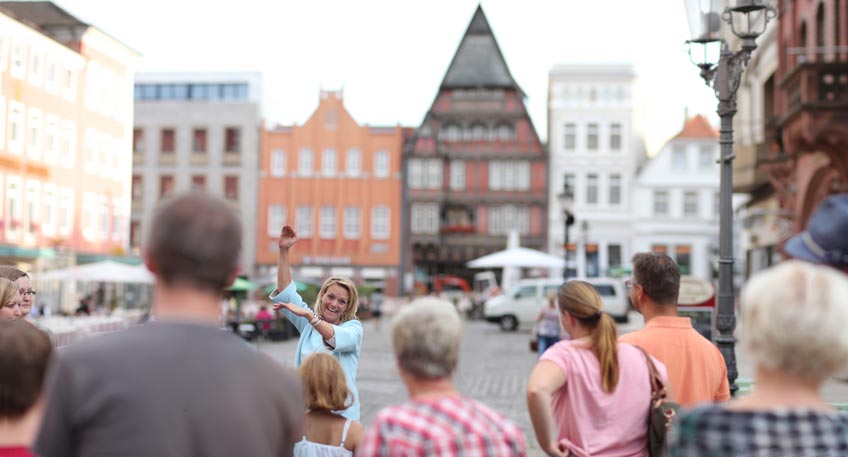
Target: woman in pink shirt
<point>590,396</point>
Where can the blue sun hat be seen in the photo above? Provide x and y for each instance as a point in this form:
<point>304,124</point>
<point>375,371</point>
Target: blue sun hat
<point>826,238</point>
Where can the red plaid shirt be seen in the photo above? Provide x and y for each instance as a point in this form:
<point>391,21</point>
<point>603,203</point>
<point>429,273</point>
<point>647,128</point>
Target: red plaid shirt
<point>446,426</point>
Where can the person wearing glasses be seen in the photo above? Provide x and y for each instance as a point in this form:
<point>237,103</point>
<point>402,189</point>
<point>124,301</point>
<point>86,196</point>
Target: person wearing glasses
<point>22,279</point>
<point>330,326</point>
<point>11,308</point>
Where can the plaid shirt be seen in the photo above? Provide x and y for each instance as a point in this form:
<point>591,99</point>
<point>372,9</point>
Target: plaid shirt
<point>716,431</point>
<point>446,426</point>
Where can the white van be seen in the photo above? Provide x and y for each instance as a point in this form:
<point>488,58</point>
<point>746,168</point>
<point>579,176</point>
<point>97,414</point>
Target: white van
<point>520,306</point>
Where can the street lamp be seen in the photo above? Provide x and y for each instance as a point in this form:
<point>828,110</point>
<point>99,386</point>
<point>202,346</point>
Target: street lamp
<point>747,20</point>
<point>568,219</point>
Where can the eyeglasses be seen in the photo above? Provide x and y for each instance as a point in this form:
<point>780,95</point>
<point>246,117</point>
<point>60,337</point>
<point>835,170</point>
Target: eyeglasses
<point>26,292</point>
<point>629,284</point>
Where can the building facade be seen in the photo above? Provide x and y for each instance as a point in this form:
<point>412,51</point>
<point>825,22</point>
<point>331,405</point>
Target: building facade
<point>338,183</point>
<point>676,200</point>
<point>197,131</point>
<point>65,130</point>
<point>592,148</point>
<point>475,168</point>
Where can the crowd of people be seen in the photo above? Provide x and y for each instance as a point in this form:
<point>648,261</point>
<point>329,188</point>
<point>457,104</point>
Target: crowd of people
<point>180,386</point>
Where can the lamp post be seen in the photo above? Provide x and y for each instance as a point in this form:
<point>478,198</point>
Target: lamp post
<point>747,20</point>
<point>568,221</point>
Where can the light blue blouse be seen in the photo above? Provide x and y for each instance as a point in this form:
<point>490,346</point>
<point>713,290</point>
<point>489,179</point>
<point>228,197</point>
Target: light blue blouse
<point>348,337</point>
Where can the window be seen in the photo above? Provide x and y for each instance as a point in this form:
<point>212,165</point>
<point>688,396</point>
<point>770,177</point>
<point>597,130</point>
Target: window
<point>276,219</point>
<point>69,84</point>
<point>705,157</point>
<point>592,137</point>
<point>166,186</point>
<point>198,183</point>
<point>90,148</point>
<point>352,222</point>
<point>416,173</point>
<point>137,187</point>
<point>381,164</point>
<point>135,234</point>
<point>678,158</point>
<point>504,218</point>
<point>19,54</point>
<point>138,140</point>
<point>716,203</point>
<point>34,133</point>
<point>592,189</point>
<point>457,175</point>
<point>570,137</point>
<point>231,188</point>
<point>16,128</point>
<point>66,211</point>
<point>31,207</point>
<point>505,132</point>
<point>380,224</point>
<point>48,218</point>
<point>509,175</point>
<point>278,163</point>
<point>304,162</point>
<point>52,76</point>
<point>51,139</point>
<point>425,218</point>
<point>451,132</point>
<point>36,67</point>
<point>103,214</point>
<point>615,137</point>
<point>613,255</point>
<point>198,140</point>
<point>571,181</point>
<point>683,255</point>
<point>2,106</point>
<point>14,207</point>
<point>117,220</point>
<point>690,203</point>
<point>232,140</point>
<point>89,215</point>
<point>167,141</point>
<point>328,162</point>
<point>353,162</point>
<point>478,132</point>
<point>434,174</point>
<point>661,202</point>
<point>303,222</point>
<point>67,144</point>
<point>327,222</point>
<point>615,189</point>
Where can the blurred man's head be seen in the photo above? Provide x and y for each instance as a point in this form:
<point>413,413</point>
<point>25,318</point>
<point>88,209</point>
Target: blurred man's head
<point>656,279</point>
<point>194,242</point>
<point>24,355</point>
<point>825,241</point>
<point>426,336</point>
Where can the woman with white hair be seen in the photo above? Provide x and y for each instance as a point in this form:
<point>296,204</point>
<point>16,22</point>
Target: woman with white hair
<point>794,320</point>
<point>436,420</point>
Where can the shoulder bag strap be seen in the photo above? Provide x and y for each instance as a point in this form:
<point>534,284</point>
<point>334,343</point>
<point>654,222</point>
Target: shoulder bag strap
<point>658,391</point>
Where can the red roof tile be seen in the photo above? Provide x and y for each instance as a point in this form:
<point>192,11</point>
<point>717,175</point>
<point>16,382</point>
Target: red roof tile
<point>697,127</point>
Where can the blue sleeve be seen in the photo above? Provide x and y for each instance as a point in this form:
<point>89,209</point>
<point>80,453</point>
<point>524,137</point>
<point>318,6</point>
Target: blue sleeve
<point>348,336</point>
<point>290,295</point>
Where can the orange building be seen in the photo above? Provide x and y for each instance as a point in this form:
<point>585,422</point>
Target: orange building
<point>339,184</point>
<point>65,129</point>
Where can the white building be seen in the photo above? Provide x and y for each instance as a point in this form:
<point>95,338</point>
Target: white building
<point>676,200</point>
<point>591,145</point>
<point>197,131</point>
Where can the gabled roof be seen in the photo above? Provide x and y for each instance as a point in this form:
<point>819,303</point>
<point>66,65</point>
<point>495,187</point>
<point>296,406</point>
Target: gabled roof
<point>478,62</point>
<point>697,127</point>
<point>41,14</point>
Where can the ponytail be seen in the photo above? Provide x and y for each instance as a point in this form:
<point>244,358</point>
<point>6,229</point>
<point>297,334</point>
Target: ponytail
<point>605,346</point>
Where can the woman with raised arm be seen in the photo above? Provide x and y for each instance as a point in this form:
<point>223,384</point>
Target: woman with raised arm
<point>330,326</point>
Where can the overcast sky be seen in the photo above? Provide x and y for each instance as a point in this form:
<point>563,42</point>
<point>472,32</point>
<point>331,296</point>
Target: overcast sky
<point>391,55</point>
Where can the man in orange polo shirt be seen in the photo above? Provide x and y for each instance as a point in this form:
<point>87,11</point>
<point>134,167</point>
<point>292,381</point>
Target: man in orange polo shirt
<point>696,370</point>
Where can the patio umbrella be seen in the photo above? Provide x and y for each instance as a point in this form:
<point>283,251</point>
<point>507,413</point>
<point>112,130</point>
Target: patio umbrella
<point>518,257</point>
<point>299,286</point>
<point>241,284</point>
<point>105,271</point>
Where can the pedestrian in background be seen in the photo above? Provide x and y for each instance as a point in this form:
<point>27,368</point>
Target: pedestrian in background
<point>696,369</point>
<point>331,326</point>
<point>592,391</point>
<point>24,355</point>
<point>10,300</point>
<point>825,241</point>
<point>179,386</point>
<point>793,327</point>
<point>436,420</point>
<point>22,279</point>
<point>547,323</point>
<point>326,434</point>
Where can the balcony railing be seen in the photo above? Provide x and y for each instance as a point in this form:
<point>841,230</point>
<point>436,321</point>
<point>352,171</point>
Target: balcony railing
<point>815,84</point>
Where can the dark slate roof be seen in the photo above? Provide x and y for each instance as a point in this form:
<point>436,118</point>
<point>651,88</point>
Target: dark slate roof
<point>42,14</point>
<point>478,63</point>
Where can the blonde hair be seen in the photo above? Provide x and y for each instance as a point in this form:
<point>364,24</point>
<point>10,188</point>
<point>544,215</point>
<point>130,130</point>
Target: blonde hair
<point>352,297</point>
<point>8,291</point>
<point>324,384</point>
<point>794,317</point>
<point>426,336</point>
<point>581,300</point>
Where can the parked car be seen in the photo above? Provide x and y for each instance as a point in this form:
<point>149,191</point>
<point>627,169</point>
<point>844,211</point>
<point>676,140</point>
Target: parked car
<point>519,307</point>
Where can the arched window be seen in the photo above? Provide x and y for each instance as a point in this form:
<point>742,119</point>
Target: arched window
<point>820,32</point>
<point>837,24</point>
<point>802,43</point>
<point>478,131</point>
<point>505,132</point>
<point>451,132</point>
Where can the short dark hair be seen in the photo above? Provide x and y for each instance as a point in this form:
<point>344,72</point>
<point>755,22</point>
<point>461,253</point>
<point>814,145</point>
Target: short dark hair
<point>195,240</point>
<point>11,272</point>
<point>25,353</point>
<point>658,275</point>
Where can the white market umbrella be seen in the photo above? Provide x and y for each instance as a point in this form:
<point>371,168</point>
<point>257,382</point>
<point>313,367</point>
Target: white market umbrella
<point>518,257</point>
<point>105,271</point>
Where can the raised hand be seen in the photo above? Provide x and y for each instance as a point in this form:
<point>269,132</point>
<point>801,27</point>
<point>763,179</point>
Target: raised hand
<point>288,237</point>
